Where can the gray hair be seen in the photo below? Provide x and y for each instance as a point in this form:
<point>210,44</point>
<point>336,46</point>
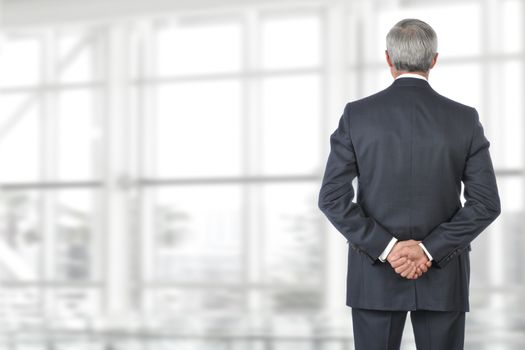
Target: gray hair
<point>411,45</point>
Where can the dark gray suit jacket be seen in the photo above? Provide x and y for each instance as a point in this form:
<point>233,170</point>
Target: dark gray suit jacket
<point>410,148</point>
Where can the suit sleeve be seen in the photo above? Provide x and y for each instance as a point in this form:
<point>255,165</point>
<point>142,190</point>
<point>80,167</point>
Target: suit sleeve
<point>482,203</point>
<point>336,195</point>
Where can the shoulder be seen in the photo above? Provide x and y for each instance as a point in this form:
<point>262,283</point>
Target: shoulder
<point>367,101</point>
<point>382,100</point>
<point>460,108</point>
<point>366,104</point>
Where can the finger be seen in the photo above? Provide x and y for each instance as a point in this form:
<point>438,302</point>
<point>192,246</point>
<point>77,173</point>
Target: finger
<point>408,271</point>
<point>401,261</point>
<point>407,265</point>
<point>405,272</point>
<point>402,268</point>
<point>429,263</point>
<point>398,262</point>
<point>416,273</point>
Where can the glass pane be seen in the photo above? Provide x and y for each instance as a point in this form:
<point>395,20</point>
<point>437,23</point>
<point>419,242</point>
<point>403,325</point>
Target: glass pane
<point>461,82</point>
<point>71,248</point>
<point>353,85</point>
<point>293,245</point>
<point>197,131</point>
<point>211,309</point>
<point>501,118</point>
<point>21,309</point>
<point>73,308</point>
<point>512,25</point>
<point>75,56</point>
<point>291,42</point>
<point>20,236</point>
<point>479,264</point>
<point>506,126</point>
<point>510,226</point>
<point>20,61</point>
<point>195,233</point>
<point>352,46</point>
<point>505,264</point>
<point>77,249</point>
<point>20,148</point>
<point>189,48</point>
<point>367,82</point>
<point>290,125</point>
<point>444,19</point>
<point>496,262</point>
<point>78,136</point>
<point>511,193</point>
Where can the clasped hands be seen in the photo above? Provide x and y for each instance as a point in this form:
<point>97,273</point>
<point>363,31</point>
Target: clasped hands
<point>408,259</point>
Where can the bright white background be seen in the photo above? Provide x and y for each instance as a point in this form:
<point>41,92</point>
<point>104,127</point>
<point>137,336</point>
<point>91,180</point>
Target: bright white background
<point>160,163</point>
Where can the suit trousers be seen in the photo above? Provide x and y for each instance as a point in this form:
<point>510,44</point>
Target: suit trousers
<point>383,330</point>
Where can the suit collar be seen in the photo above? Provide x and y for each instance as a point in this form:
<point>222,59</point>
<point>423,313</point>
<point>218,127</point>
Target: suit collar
<point>409,81</point>
<point>411,75</point>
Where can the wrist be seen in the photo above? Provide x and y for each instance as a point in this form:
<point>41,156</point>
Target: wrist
<point>425,251</point>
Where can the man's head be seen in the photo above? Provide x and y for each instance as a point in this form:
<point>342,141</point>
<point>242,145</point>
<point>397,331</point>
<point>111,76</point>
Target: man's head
<point>411,46</point>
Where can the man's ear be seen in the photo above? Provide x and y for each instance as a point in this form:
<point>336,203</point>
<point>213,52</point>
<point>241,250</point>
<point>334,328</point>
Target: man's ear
<point>434,60</point>
<point>388,59</point>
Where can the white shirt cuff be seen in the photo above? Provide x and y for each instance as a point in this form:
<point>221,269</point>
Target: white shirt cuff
<point>426,251</point>
<point>387,250</point>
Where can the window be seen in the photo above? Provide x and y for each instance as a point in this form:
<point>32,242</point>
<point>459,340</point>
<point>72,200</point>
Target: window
<point>216,120</point>
<point>169,165</point>
<point>50,173</point>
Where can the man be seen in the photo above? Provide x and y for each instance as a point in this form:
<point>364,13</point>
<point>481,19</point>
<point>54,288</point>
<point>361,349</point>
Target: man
<point>409,236</point>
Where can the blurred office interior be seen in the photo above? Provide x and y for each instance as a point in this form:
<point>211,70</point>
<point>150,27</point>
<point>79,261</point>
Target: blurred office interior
<point>160,163</point>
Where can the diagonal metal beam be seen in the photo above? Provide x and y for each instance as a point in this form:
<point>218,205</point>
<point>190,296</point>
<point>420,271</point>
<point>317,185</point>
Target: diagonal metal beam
<point>75,51</point>
<point>16,117</point>
<point>15,264</point>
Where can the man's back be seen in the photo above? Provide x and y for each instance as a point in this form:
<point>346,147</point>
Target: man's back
<point>410,148</point>
<point>411,145</point>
